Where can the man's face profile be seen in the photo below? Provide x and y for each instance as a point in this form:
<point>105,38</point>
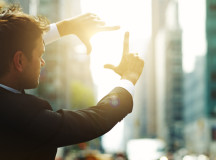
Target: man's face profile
<point>32,67</point>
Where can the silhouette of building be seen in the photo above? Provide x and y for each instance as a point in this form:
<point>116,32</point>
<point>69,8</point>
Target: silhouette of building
<point>169,80</point>
<point>200,89</point>
<point>195,103</point>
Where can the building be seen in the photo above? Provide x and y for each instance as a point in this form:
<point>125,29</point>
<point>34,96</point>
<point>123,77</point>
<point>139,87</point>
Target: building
<point>64,62</point>
<point>169,80</point>
<point>211,71</point>
<point>200,106</point>
<point>199,94</point>
<point>158,21</point>
<point>195,103</point>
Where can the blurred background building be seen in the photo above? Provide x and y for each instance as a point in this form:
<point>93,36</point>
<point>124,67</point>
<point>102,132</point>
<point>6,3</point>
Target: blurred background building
<point>169,79</point>
<point>172,104</point>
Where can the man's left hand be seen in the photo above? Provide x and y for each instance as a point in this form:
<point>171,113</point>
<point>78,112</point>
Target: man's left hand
<point>84,26</point>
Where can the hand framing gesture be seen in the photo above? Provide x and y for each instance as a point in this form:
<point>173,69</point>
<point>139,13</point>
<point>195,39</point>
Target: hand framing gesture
<point>131,65</point>
<point>84,26</point>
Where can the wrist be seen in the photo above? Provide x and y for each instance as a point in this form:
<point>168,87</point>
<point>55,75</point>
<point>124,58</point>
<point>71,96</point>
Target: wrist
<point>64,28</point>
<point>132,77</point>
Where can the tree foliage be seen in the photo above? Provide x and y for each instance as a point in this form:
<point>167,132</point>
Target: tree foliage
<point>81,95</point>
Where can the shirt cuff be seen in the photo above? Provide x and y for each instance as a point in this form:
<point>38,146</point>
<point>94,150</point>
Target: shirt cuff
<point>52,34</point>
<point>128,85</point>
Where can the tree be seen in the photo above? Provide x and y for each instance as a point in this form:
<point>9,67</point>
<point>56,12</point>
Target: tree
<point>81,95</point>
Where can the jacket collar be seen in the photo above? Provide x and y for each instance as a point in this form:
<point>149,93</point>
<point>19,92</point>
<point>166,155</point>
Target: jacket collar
<point>11,89</point>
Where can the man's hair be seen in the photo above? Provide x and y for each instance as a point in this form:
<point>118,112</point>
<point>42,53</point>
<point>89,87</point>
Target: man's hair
<point>18,32</point>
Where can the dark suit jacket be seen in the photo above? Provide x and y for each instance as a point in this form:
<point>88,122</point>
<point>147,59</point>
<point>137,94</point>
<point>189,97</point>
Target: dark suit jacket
<point>30,130</point>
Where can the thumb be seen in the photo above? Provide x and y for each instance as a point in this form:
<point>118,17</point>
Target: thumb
<point>87,43</point>
<point>110,66</point>
<point>88,46</point>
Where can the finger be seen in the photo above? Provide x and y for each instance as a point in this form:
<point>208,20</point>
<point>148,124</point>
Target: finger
<point>88,45</point>
<point>89,49</point>
<point>92,17</point>
<point>98,23</point>
<point>109,66</point>
<point>126,44</point>
<point>140,66</point>
<point>109,28</point>
<point>96,17</point>
<point>90,14</point>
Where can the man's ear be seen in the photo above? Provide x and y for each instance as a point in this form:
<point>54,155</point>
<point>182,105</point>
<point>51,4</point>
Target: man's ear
<point>18,61</point>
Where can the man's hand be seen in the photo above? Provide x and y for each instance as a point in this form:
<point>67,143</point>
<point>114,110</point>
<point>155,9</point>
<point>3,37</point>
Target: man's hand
<point>131,65</point>
<point>84,26</point>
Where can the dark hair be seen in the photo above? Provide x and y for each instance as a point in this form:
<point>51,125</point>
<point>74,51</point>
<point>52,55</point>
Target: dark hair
<point>18,32</point>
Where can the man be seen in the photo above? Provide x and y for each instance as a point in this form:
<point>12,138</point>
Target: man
<point>30,130</point>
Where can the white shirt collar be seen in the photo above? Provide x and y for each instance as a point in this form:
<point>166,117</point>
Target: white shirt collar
<point>10,89</point>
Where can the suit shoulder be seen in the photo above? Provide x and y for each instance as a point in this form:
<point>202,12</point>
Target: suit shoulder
<point>22,101</point>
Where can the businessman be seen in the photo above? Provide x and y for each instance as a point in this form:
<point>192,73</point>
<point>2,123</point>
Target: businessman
<point>30,129</point>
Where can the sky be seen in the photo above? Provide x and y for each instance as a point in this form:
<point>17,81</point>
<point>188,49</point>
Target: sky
<point>192,20</point>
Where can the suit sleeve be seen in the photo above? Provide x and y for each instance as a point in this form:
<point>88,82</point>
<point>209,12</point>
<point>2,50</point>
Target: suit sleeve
<point>66,127</point>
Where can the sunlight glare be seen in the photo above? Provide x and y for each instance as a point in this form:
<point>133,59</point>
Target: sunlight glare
<point>193,36</point>
<point>131,15</point>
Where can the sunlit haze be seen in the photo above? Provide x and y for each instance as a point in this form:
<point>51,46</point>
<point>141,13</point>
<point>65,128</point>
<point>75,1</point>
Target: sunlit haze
<point>133,16</point>
<point>192,22</point>
<point>170,116</point>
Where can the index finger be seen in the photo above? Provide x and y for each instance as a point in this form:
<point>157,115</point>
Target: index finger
<point>109,28</point>
<point>126,44</point>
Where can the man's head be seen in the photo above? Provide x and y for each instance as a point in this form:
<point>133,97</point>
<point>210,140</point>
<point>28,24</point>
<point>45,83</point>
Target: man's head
<point>21,45</point>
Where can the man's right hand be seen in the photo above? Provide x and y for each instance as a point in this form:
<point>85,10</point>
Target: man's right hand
<point>131,65</point>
